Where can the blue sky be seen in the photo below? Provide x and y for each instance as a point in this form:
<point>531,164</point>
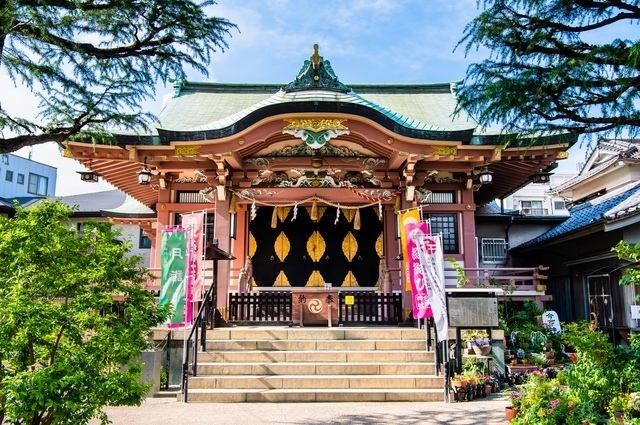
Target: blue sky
<point>366,41</point>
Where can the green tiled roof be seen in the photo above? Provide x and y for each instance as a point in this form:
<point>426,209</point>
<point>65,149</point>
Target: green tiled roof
<point>210,110</point>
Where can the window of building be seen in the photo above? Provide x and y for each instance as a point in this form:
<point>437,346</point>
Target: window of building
<point>145,242</point>
<point>532,208</point>
<point>209,225</point>
<point>80,227</point>
<point>445,224</point>
<point>494,250</point>
<point>8,176</point>
<point>190,197</point>
<point>20,179</point>
<point>38,184</point>
<point>559,205</point>
<point>437,197</point>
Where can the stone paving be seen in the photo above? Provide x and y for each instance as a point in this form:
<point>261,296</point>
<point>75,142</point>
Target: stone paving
<point>169,411</point>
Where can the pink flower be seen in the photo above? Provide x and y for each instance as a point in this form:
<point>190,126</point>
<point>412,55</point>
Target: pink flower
<point>550,411</point>
<point>571,412</point>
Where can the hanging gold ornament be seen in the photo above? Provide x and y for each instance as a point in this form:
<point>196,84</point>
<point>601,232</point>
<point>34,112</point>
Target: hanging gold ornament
<point>233,208</point>
<point>274,218</point>
<point>356,220</point>
<point>314,211</point>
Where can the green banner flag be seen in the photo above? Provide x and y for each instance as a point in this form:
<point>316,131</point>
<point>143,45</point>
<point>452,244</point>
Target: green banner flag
<point>174,275</point>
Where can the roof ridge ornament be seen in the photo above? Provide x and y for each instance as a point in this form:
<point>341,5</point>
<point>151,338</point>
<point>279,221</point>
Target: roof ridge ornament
<point>316,74</point>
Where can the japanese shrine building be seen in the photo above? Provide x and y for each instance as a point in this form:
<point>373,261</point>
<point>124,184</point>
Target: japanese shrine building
<point>305,178</point>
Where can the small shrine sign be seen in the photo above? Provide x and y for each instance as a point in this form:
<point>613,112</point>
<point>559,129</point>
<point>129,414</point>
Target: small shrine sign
<point>473,312</point>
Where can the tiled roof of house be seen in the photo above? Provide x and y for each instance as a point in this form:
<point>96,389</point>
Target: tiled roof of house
<point>617,148</point>
<point>130,208</point>
<point>492,208</point>
<point>581,177</point>
<point>591,213</point>
<point>95,202</point>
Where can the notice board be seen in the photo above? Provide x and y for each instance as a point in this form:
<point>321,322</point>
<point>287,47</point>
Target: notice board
<point>473,312</point>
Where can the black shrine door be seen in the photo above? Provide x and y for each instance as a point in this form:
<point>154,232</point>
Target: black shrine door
<point>304,252</point>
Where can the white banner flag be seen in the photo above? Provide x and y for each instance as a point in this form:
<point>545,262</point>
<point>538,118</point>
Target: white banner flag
<point>432,261</point>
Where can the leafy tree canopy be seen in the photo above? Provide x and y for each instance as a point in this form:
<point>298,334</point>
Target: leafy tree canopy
<point>550,69</point>
<point>64,337</point>
<point>89,62</point>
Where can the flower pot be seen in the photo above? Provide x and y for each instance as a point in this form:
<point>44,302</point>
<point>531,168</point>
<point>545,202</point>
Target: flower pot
<point>482,351</point>
<point>458,383</point>
<point>488,389</point>
<point>510,413</point>
<point>619,416</point>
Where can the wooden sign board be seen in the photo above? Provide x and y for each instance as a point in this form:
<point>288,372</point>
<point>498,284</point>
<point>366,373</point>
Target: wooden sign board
<point>473,312</point>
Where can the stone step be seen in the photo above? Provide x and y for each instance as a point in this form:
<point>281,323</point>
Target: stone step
<point>369,368</point>
<point>309,345</point>
<point>271,382</point>
<point>380,356</point>
<point>310,333</point>
<point>312,395</point>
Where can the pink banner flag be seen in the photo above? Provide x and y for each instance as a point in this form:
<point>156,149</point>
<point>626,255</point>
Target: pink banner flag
<point>417,277</point>
<point>431,257</point>
<point>193,223</point>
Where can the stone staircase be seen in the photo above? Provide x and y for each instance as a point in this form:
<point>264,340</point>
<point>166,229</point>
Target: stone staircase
<point>258,364</point>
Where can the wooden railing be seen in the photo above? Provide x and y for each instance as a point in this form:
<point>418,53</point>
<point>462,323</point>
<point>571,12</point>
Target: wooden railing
<point>370,308</point>
<point>270,307</point>
<point>353,307</point>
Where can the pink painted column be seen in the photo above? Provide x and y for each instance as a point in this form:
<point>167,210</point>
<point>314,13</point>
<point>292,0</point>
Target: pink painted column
<point>224,243</point>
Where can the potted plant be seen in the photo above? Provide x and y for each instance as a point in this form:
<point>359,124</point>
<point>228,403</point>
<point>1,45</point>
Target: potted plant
<point>512,411</point>
<point>478,340</point>
<point>619,407</point>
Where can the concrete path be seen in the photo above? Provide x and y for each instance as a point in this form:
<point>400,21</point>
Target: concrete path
<point>168,411</point>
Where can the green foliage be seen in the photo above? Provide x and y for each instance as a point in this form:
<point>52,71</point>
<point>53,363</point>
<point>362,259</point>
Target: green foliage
<point>546,70</point>
<point>67,347</point>
<point>544,402</point>
<point>629,252</point>
<point>89,62</point>
<point>595,384</point>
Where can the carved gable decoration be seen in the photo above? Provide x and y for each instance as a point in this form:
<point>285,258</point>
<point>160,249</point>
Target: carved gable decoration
<point>315,132</point>
<point>316,74</point>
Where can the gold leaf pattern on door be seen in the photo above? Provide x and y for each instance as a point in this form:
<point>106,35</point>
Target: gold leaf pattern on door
<point>315,279</point>
<point>348,214</point>
<point>379,246</point>
<point>283,212</point>
<point>349,246</point>
<point>350,280</point>
<point>320,210</point>
<point>281,280</point>
<point>282,246</point>
<point>253,245</point>
<point>316,246</point>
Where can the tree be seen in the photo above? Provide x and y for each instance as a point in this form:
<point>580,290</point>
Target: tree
<point>546,70</point>
<point>91,63</point>
<point>64,337</point>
